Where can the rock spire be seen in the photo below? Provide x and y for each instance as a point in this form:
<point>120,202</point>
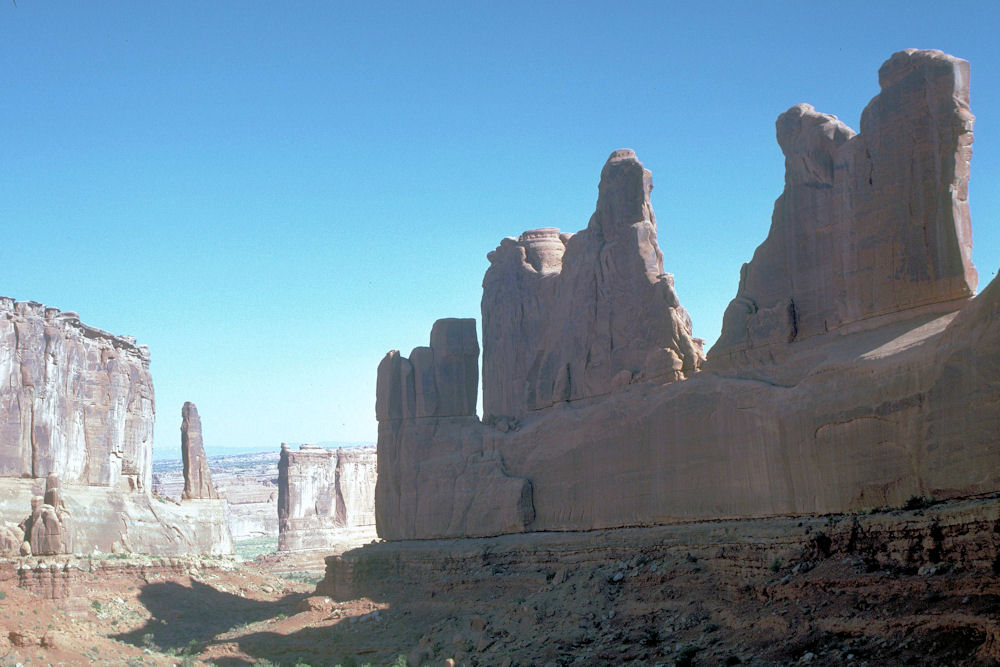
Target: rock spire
<point>197,476</point>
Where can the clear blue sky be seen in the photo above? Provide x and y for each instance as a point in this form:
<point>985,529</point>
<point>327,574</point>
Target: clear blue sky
<point>272,195</point>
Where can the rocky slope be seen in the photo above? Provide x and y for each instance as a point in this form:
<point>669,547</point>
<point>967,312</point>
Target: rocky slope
<point>854,369</point>
<point>915,587</point>
<point>911,586</point>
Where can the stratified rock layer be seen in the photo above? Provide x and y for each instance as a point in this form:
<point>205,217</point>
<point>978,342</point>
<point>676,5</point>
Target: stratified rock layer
<point>870,224</point>
<point>74,400</point>
<point>571,316</point>
<point>76,405</point>
<point>197,476</point>
<point>326,497</point>
<point>853,371</point>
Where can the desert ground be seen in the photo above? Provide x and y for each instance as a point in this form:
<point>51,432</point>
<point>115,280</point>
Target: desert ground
<point>780,592</point>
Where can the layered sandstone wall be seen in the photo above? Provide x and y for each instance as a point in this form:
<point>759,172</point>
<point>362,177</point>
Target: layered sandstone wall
<point>853,370</point>
<point>870,224</point>
<point>74,400</point>
<point>325,497</point>
<point>77,406</point>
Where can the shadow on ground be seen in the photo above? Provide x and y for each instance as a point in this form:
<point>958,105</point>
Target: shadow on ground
<point>182,615</point>
<point>338,644</point>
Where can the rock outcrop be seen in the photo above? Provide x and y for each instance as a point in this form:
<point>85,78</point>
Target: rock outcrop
<point>854,369</point>
<point>48,530</point>
<point>420,448</point>
<point>77,406</point>
<point>326,497</point>
<point>11,538</point>
<point>74,400</point>
<point>197,476</point>
<point>871,224</point>
<point>571,316</point>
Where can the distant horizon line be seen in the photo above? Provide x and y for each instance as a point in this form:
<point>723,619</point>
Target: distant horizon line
<point>223,450</point>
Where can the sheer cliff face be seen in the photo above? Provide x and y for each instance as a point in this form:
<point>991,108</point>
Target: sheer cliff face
<point>435,477</point>
<point>74,400</point>
<point>325,497</point>
<point>574,316</point>
<point>869,224</point>
<point>857,370</point>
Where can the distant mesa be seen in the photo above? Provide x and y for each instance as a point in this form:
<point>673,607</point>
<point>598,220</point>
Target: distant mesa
<point>854,369</point>
<point>326,497</point>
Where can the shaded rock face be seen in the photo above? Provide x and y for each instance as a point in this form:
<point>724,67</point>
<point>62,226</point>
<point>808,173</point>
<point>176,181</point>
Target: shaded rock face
<point>325,497</point>
<point>437,381</point>
<point>426,455</point>
<point>197,476</point>
<point>570,316</point>
<point>870,224</point>
<point>854,370</point>
<point>74,400</point>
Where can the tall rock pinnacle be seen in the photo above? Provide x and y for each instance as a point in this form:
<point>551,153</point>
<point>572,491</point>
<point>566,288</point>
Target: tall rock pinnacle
<point>197,477</point>
<point>569,316</point>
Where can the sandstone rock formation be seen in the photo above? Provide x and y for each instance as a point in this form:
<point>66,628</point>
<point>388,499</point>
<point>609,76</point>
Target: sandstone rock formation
<point>325,497</point>
<point>11,538</point>
<point>437,381</point>
<point>248,483</point>
<point>420,447</point>
<point>197,476</point>
<point>48,529</point>
<point>853,370</point>
<point>570,316</point>
<point>74,400</point>
<point>870,224</point>
<point>76,404</point>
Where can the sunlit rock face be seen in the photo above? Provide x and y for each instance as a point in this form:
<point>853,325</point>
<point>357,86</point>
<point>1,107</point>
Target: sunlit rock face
<point>855,369</point>
<point>74,400</point>
<point>197,476</point>
<point>326,497</point>
<point>571,316</point>
<point>869,225</point>
<point>76,405</point>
